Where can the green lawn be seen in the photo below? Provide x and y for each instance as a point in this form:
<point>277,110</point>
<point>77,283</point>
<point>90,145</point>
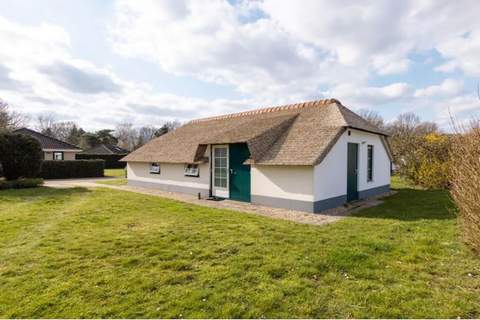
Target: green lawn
<point>106,253</point>
<point>114,173</point>
<point>117,173</point>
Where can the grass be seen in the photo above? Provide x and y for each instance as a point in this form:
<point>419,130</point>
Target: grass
<point>114,182</point>
<point>117,173</point>
<point>114,173</point>
<point>74,253</point>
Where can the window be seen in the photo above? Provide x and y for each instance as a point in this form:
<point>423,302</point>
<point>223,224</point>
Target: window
<point>154,168</point>
<point>58,155</point>
<point>191,170</point>
<point>220,165</point>
<point>369,162</point>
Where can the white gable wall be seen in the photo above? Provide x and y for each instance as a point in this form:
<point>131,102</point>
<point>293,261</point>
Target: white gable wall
<point>330,176</point>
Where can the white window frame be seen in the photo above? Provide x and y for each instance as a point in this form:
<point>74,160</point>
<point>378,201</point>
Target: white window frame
<point>154,168</point>
<point>62,155</point>
<point>220,191</point>
<point>192,170</point>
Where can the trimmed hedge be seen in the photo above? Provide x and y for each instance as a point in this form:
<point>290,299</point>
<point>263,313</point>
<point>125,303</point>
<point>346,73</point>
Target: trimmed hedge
<point>21,183</point>
<point>111,160</point>
<point>66,169</point>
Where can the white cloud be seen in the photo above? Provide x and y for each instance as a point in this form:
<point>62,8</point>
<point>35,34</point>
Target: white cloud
<point>271,51</point>
<point>449,87</point>
<point>39,74</point>
<point>371,97</point>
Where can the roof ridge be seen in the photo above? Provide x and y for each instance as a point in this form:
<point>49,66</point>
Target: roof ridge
<point>294,106</point>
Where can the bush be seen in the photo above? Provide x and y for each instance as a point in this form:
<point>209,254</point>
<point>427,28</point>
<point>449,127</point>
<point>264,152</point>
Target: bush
<point>111,160</point>
<point>465,182</point>
<point>21,183</point>
<point>52,169</point>
<point>426,162</point>
<point>20,156</point>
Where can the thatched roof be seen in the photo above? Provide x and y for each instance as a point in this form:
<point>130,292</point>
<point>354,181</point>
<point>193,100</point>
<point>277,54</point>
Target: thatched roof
<point>296,134</point>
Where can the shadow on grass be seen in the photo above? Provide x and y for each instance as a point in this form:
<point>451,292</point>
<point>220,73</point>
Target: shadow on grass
<point>41,191</point>
<point>413,204</point>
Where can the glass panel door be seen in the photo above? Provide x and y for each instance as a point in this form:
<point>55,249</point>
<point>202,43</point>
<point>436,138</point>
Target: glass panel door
<point>220,167</point>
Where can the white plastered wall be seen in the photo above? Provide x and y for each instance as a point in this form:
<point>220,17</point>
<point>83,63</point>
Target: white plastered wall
<point>170,174</point>
<point>330,176</point>
<point>67,155</point>
<point>285,182</point>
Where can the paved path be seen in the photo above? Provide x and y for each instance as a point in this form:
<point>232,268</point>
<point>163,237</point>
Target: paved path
<point>328,216</point>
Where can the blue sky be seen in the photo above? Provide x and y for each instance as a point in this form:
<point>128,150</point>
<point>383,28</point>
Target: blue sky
<point>101,63</point>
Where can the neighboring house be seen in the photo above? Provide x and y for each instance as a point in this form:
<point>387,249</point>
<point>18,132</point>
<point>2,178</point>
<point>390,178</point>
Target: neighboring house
<point>111,154</point>
<point>308,156</point>
<point>53,149</point>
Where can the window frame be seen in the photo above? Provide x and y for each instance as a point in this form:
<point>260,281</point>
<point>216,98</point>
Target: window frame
<point>58,152</point>
<point>370,157</point>
<point>223,179</point>
<point>154,171</point>
<point>189,172</point>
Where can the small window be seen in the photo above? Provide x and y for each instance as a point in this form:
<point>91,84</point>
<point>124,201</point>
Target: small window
<point>370,163</point>
<point>191,170</point>
<point>58,155</point>
<point>154,168</point>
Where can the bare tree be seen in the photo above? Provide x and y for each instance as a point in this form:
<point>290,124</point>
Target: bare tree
<point>145,134</point>
<point>45,124</point>
<point>9,119</point>
<point>372,117</point>
<point>64,130</point>
<point>127,135</point>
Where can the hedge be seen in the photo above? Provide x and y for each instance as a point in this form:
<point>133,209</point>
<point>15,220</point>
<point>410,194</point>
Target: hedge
<point>111,160</point>
<point>52,169</point>
<point>20,183</point>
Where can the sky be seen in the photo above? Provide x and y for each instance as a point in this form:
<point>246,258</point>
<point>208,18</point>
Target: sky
<point>101,63</point>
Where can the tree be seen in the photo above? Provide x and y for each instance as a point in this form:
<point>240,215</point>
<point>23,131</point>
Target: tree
<point>67,131</point>
<point>167,127</point>
<point>420,150</point>
<point>74,135</point>
<point>145,134</point>
<point>89,140</point>
<point>106,136</point>
<point>10,120</point>
<point>373,117</point>
<point>20,156</point>
<point>126,135</point>
<point>45,124</point>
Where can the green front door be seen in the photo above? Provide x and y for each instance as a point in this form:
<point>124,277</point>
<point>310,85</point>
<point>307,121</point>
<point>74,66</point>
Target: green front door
<point>239,172</point>
<point>352,172</point>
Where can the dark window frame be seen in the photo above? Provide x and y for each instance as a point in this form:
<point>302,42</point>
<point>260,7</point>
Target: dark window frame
<point>370,156</point>
<point>154,164</point>
<point>188,174</point>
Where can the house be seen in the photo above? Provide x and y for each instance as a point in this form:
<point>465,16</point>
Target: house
<point>53,149</point>
<point>308,156</point>
<point>110,153</point>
